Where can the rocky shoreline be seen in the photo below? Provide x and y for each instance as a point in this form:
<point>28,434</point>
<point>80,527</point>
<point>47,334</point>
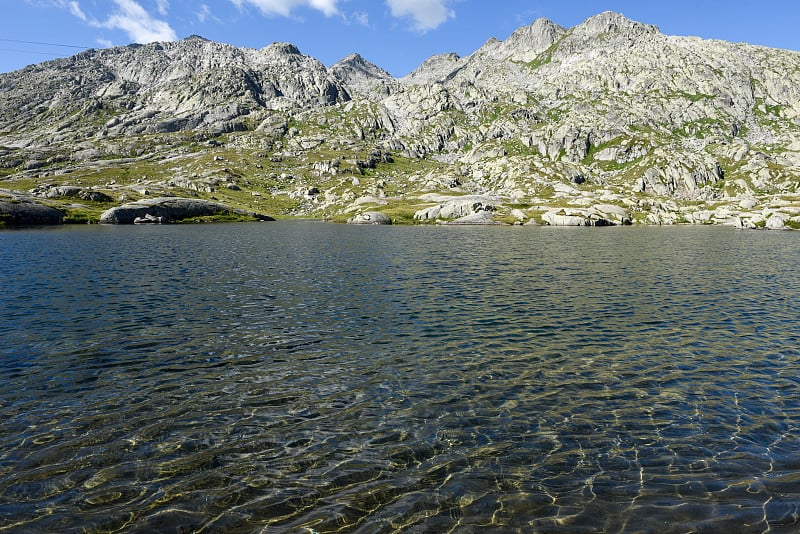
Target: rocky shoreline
<point>22,209</point>
<point>168,210</point>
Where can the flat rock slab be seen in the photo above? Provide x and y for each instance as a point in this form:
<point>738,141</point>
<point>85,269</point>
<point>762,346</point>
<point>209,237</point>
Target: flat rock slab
<point>555,219</point>
<point>170,209</point>
<point>18,211</point>
<point>480,218</point>
<point>370,217</point>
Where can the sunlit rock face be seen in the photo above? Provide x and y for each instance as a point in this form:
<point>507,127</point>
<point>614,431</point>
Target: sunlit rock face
<point>609,112</point>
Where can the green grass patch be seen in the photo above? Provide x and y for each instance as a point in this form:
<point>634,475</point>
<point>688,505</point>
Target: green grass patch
<point>268,204</point>
<point>81,215</point>
<point>546,57</point>
<point>402,211</point>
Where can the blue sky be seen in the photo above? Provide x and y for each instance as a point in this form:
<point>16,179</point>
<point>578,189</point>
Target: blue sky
<point>394,34</point>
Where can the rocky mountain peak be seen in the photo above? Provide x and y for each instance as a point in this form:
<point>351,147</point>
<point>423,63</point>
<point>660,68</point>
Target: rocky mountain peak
<point>434,69</point>
<point>527,42</point>
<point>610,22</point>
<point>281,49</point>
<point>540,35</point>
<point>354,58</point>
<point>356,62</point>
<point>362,77</point>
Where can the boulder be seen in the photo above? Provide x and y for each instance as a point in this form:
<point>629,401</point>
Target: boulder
<point>748,203</point>
<point>612,213</point>
<point>94,196</point>
<point>60,191</point>
<point>480,218</point>
<point>454,208</point>
<point>66,191</point>
<point>171,210</point>
<point>556,219</point>
<point>25,212</point>
<point>740,222</point>
<point>149,219</point>
<point>776,222</point>
<point>370,217</point>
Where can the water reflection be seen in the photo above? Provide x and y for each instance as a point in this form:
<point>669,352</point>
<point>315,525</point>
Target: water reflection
<point>304,376</point>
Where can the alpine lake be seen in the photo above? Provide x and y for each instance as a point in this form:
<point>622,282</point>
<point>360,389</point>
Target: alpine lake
<point>300,376</point>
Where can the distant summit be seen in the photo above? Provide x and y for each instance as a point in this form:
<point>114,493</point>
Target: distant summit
<point>611,22</point>
<point>362,77</point>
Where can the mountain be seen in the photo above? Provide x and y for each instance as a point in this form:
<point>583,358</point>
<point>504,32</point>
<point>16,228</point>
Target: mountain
<point>363,78</point>
<point>163,87</point>
<point>607,122</point>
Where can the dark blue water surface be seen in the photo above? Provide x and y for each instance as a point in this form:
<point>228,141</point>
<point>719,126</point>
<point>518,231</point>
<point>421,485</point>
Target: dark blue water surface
<point>309,377</point>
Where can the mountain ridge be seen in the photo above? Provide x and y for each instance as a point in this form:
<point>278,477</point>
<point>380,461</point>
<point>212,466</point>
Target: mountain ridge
<point>551,121</point>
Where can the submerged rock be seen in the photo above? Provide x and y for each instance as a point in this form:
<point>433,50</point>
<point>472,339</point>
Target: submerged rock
<point>171,210</point>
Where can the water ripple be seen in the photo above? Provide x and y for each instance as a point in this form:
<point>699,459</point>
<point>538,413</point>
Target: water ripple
<point>306,377</point>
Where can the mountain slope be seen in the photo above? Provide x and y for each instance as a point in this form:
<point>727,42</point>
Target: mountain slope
<point>161,87</point>
<point>607,122</point>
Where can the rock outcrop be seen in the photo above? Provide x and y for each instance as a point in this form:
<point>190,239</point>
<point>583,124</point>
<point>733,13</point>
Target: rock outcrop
<point>70,191</point>
<point>370,217</point>
<point>455,208</point>
<point>363,78</point>
<point>19,210</point>
<point>162,210</point>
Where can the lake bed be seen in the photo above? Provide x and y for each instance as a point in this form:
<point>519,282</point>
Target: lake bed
<point>303,376</point>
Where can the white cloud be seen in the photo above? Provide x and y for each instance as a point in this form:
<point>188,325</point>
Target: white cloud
<point>75,9</point>
<point>72,5</point>
<point>140,26</point>
<point>203,13</point>
<point>105,43</point>
<point>163,7</point>
<point>284,7</point>
<point>362,17</point>
<point>427,14</point>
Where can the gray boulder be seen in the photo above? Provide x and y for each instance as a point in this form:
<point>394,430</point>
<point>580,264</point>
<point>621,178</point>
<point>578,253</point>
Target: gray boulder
<point>64,191</point>
<point>149,219</point>
<point>740,222</point>
<point>370,217</point>
<point>455,208</point>
<point>61,191</point>
<point>170,210</point>
<point>776,222</point>
<point>479,218</point>
<point>94,196</point>
<point>556,219</point>
<point>25,212</point>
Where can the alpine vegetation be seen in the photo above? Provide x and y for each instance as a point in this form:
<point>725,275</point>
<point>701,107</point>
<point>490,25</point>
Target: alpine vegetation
<point>610,122</point>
